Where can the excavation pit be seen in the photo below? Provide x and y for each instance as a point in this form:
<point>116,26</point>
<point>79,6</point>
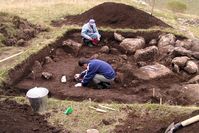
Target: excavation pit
<point>46,68</point>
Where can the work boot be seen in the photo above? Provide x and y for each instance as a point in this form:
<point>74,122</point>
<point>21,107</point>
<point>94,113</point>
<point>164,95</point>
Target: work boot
<point>103,85</point>
<point>87,42</point>
<point>90,44</point>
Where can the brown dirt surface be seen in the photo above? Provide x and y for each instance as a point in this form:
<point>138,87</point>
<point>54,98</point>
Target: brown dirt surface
<point>129,89</point>
<point>16,31</point>
<point>147,122</point>
<point>19,118</point>
<point>115,15</point>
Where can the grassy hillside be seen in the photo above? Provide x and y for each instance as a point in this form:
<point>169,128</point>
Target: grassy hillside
<point>192,5</point>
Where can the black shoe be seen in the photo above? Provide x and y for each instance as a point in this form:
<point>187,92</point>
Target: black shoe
<point>103,85</point>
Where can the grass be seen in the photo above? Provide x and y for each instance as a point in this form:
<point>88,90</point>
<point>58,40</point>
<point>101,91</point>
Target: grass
<point>84,118</point>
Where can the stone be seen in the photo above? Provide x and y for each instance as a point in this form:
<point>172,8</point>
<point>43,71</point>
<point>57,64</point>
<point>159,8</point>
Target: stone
<point>118,37</point>
<point>166,43</point>
<point>195,55</point>
<point>180,51</point>
<point>187,44</point>
<point>21,42</point>
<point>191,67</point>
<point>130,45</point>
<point>147,54</point>
<point>95,56</point>
<point>195,45</point>
<point>194,80</point>
<point>47,75</point>
<point>105,49</point>
<point>153,42</point>
<point>180,61</point>
<point>150,72</point>
<point>71,46</point>
<point>48,60</point>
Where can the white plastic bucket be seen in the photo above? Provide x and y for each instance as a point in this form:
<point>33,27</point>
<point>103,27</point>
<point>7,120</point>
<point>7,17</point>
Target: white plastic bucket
<point>38,97</point>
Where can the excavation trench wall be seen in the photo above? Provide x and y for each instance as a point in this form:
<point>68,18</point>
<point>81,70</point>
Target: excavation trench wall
<point>21,70</point>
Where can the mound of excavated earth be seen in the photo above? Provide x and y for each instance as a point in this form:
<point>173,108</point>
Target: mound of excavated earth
<point>115,15</point>
<point>15,31</point>
<point>18,118</point>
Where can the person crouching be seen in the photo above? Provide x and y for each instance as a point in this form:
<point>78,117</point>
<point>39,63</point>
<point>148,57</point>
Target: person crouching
<point>98,71</point>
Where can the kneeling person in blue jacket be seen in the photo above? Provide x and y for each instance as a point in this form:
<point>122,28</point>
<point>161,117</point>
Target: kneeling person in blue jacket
<point>98,71</point>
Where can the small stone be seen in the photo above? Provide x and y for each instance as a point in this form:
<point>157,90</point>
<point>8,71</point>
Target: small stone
<point>47,75</point>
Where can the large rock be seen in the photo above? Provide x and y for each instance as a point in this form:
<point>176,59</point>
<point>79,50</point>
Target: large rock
<point>180,51</point>
<point>191,67</point>
<point>194,80</point>
<point>150,72</point>
<point>147,54</point>
<point>118,37</point>
<point>130,45</point>
<point>187,44</point>
<point>195,55</point>
<point>180,61</point>
<point>166,43</point>
<point>195,45</point>
<point>71,46</point>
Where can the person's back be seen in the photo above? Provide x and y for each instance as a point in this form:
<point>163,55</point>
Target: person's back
<point>101,67</point>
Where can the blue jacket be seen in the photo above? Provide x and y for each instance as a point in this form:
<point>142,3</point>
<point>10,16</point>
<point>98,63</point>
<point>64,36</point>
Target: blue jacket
<point>89,33</point>
<point>96,66</point>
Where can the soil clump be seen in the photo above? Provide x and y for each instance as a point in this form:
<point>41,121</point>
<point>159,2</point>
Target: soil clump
<point>16,31</point>
<point>114,15</point>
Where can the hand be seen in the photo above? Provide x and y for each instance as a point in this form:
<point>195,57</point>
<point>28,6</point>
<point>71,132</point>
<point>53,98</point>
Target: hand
<point>98,38</point>
<point>77,76</point>
<point>78,85</point>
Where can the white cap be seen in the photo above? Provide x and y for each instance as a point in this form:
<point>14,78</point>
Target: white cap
<point>91,21</point>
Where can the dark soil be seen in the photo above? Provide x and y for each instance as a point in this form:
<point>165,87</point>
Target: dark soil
<point>127,89</point>
<point>147,122</point>
<point>18,118</point>
<point>114,15</point>
<point>16,31</point>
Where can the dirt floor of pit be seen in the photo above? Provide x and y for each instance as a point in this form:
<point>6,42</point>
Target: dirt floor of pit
<point>169,89</point>
<point>18,118</point>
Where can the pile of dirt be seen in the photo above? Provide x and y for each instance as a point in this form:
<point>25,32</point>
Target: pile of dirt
<point>18,118</point>
<point>16,31</point>
<point>115,15</point>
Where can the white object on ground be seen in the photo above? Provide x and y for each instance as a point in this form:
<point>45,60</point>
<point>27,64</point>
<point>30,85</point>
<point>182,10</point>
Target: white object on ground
<point>63,79</point>
<point>92,131</point>
<point>11,56</point>
<point>98,110</point>
<point>102,106</point>
<point>78,85</point>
